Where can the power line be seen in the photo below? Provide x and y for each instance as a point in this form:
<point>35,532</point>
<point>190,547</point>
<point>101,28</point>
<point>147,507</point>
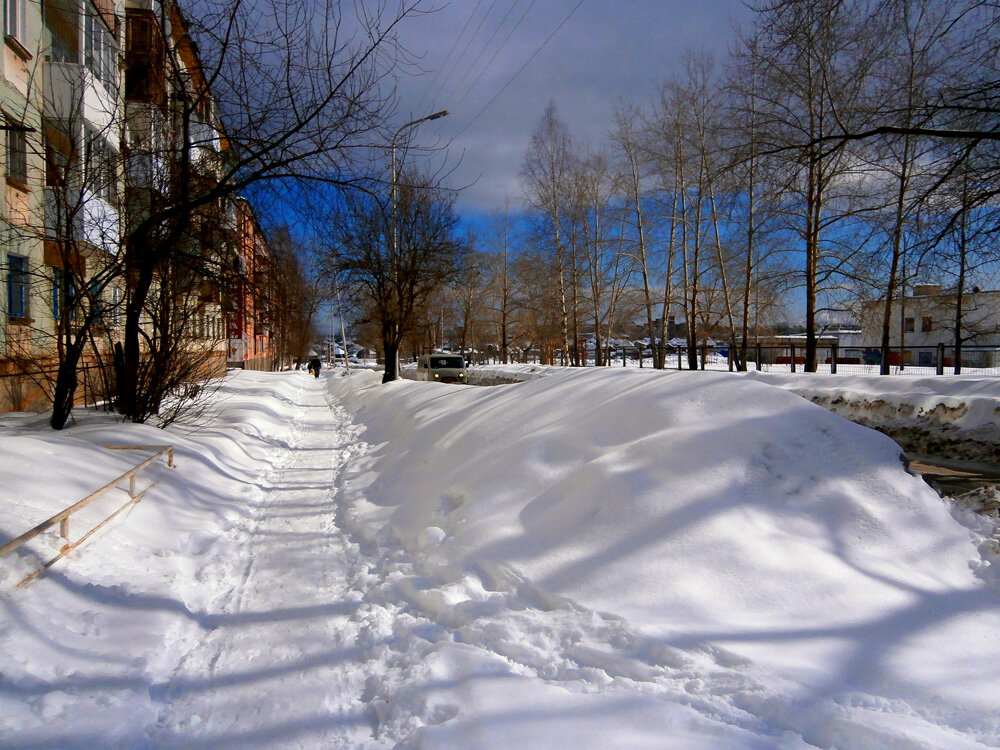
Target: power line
<point>475,63</point>
<point>503,44</point>
<point>465,48</point>
<point>444,62</point>
<point>521,69</point>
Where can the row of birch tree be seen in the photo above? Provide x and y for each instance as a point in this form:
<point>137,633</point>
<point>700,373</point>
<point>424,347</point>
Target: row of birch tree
<point>843,151</point>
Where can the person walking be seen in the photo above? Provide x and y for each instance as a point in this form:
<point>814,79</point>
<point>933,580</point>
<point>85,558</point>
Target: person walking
<point>314,366</point>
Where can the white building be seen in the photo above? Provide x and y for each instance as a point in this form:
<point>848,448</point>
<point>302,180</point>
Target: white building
<point>926,320</point>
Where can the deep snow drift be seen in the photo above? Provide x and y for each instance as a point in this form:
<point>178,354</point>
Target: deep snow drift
<point>599,558</point>
<point>953,415</point>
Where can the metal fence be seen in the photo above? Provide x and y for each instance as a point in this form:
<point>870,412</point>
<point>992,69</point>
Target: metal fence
<point>831,358</point>
<point>857,360</point>
<point>63,517</point>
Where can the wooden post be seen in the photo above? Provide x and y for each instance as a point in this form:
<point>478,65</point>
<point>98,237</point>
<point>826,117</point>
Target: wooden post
<point>833,359</point>
<point>940,359</point>
<point>760,351</point>
<point>791,348</point>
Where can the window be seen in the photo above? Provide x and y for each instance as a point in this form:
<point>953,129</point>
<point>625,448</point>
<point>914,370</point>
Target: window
<point>97,307</point>
<point>17,286</point>
<point>62,293</point>
<point>13,18</point>
<point>17,154</point>
<point>908,325</point>
<point>926,324</point>
<point>114,314</point>
<point>57,157</point>
<point>99,52</point>
<point>101,164</point>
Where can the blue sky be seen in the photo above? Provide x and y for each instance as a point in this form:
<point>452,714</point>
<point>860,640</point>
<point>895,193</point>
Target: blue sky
<point>588,57</point>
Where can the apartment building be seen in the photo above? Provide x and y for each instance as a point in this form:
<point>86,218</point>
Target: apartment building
<point>25,311</point>
<point>248,328</point>
<point>92,94</point>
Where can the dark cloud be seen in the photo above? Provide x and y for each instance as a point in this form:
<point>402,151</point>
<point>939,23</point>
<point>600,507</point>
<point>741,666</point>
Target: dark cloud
<point>605,53</point>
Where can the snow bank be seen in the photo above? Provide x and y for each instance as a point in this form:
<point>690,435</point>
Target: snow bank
<point>957,416</point>
<point>505,374</point>
<point>953,416</point>
<point>708,511</point>
<point>599,558</point>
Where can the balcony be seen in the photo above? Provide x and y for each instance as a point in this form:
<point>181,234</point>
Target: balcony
<point>145,171</point>
<point>204,143</point>
<point>145,77</point>
<point>74,94</point>
<point>147,135</point>
<point>92,220</point>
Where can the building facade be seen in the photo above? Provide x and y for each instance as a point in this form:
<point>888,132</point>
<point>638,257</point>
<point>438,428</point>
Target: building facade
<point>98,97</point>
<point>248,329</point>
<point>927,320</point>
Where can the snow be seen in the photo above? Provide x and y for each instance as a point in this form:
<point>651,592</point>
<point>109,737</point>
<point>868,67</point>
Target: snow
<point>596,558</point>
<point>955,415</point>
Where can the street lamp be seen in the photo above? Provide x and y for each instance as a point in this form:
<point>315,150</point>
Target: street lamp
<point>392,189</point>
<point>392,185</point>
<point>410,124</point>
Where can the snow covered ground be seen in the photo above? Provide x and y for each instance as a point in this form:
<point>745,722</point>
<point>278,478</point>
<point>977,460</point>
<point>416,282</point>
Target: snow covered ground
<point>600,558</point>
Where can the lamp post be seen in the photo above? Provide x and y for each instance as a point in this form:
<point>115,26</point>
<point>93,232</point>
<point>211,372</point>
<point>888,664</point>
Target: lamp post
<point>392,144</point>
<point>393,200</point>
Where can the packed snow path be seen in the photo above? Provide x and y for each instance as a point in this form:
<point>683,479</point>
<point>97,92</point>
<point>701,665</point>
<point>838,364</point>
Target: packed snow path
<point>270,668</point>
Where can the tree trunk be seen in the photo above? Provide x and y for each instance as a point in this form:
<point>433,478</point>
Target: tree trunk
<point>390,344</point>
<point>65,387</point>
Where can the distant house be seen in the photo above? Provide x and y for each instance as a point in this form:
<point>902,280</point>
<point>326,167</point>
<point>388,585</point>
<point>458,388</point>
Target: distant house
<point>925,319</point>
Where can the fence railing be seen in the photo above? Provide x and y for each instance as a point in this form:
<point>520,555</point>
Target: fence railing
<point>63,516</point>
<point>831,358</point>
<point>925,360</point>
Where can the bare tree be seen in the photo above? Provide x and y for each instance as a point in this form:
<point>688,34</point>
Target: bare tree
<point>815,61</point>
<point>503,299</point>
<point>469,290</point>
<point>290,294</point>
<point>260,92</point>
<point>755,205</point>
<point>607,268</point>
<point>627,140</point>
<point>667,152</point>
<point>398,256</point>
<point>546,176</point>
<point>73,218</point>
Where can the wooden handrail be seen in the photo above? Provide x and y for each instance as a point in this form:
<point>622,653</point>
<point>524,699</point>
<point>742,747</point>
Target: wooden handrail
<point>62,517</point>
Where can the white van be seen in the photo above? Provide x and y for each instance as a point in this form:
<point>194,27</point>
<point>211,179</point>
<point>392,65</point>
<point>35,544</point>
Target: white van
<point>443,368</point>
